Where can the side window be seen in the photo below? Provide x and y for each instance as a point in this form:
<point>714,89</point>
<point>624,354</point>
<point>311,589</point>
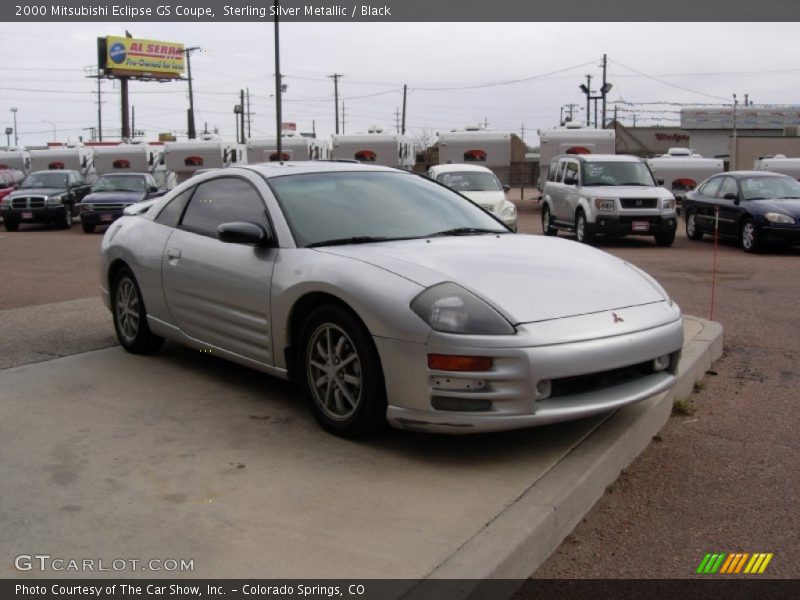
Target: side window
<point>551,171</point>
<point>170,215</point>
<point>560,174</point>
<point>220,201</point>
<point>710,189</point>
<point>571,171</point>
<point>728,187</point>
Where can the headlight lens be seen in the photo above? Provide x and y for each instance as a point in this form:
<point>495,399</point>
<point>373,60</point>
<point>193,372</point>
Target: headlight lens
<point>668,203</point>
<point>86,208</point>
<point>509,210</point>
<point>779,218</point>
<point>449,308</point>
<point>6,201</point>
<point>604,204</point>
<point>54,200</point>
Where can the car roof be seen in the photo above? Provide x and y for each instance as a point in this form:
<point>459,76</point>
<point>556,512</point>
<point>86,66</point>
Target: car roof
<point>755,174</point>
<point>54,171</point>
<point>122,174</point>
<point>277,169</point>
<point>602,157</point>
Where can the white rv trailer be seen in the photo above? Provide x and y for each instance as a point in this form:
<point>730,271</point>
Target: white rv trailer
<point>682,170</point>
<point>135,158</point>
<point>186,158</point>
<point>491,149</point>
<point>572,139</point>
<point>77,158</point>
<point>293,147</point>
<point>387,149</point>
<point>779,164</point>
<point>17,159</point>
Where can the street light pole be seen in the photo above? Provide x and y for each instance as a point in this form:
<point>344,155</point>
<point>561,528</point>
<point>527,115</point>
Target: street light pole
<point>55,134</point>
<point>16,137</point>
<point>188,52</point>
<point>278,87</point>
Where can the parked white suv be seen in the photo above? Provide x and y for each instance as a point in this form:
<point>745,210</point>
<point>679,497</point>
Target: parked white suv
<point>608,194</point>
<point>481,186</point>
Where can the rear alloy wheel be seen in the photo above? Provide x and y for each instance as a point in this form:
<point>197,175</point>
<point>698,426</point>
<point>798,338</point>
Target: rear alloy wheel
<point>88,227</point>
<point>130,318</point>
<point>341,374</point>
<point>547,222</point>
<point>583,233</point>
<point>692,230</point>
<point>748,237</point>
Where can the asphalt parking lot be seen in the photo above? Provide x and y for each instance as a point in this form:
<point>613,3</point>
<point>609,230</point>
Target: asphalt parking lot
<point>718,478</point>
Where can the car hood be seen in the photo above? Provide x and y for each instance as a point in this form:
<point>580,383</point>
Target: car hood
<point>621,191</point>
<point>111,196</point>
<point>786,207</point>
<point>37,192</point>
<point>486,199</point>
<point>528,278</point>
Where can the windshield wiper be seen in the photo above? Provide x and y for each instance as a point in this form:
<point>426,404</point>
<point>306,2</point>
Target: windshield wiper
<point>464,231</point>
<point>358,239</point>
<point>788,197</point>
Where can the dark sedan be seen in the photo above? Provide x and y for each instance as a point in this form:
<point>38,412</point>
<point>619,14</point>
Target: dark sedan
<point>112,193</point>
<point>757,208</point>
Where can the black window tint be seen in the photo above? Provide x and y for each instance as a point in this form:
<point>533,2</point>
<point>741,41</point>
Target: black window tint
<point>710,189</point>
<point>170,215</point>
<point>222,201</point>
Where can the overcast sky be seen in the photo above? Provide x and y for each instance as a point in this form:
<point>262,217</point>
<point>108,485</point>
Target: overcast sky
<point>42,67</point>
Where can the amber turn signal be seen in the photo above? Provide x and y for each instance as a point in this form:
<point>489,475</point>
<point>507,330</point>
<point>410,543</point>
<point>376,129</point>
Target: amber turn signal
<point>449,362</point>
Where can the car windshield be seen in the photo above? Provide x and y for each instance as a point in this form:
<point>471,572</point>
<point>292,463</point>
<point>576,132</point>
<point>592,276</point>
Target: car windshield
<point>617,173</point>
<point>45,180</point>
<point>355,207</point>
<point>119,183</point>
<point>467,181</point>
<point>772,188</point>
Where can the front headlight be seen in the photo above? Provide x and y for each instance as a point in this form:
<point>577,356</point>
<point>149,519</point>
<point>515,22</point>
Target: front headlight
<point>449,308</point>
<point>6,201</point>
<point>779,218</point>
<point>54,200</point>
<point>86,208</point>
<point>509,210</point>
<point>668,204</point>
<point>604,204</point>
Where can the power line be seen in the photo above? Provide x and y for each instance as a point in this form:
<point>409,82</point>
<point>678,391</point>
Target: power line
<point>680,87</point>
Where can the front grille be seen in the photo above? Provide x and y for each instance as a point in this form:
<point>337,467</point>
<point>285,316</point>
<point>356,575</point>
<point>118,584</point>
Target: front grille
<point>489,207</point>
<point>29,202</point>
<point>106,207</point>
<point>639,202</point>
<point>581,384</point>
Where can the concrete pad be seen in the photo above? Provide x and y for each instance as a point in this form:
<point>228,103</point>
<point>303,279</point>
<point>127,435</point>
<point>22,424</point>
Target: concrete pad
<point>184,456</point>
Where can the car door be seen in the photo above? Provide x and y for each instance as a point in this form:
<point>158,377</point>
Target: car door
<point>571,190</point>
<point>219,293</point>
<point>728,206</point>
<point>705,204</point>
<point>556,189</point>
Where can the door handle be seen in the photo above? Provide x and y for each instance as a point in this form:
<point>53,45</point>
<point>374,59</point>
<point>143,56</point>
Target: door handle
<point>173,253</point>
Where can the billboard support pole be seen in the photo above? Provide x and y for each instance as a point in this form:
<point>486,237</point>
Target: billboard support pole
<point>188,51</point>
<point>126,125</point>
<point>278,115</point>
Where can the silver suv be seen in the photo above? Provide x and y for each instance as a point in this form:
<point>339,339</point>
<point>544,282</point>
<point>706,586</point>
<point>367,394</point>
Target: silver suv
<point>608,194</point>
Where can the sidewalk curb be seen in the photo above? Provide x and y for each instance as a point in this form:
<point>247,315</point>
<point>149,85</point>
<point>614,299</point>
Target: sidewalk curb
<point>519,539</point>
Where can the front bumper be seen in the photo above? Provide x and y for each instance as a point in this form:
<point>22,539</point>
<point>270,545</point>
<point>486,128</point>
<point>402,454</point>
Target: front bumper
<point>105,217</point>
<point>787,235</point>
<point>48,214</point>
<point>627,225</point>
<point>504,397</point>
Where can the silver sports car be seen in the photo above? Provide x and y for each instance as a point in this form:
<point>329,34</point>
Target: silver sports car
<point>388,298</point>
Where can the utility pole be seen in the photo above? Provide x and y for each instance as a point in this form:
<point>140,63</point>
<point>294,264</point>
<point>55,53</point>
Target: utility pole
<point>343,119</point>
<point>314,128</point>
<point>522,132</point>
<point>278,87</point>
<point>242,117</point>
<point>732,165</point>
<point>486,122</point>
<point>16,137</point>
<point>133,121</point>
<point>604,90</point>
<point>336,77</point>
<point>405,95</point>
<point>188,52</point>
<point>397,119</point>
<point>249,135</point>
<point>588,100</point>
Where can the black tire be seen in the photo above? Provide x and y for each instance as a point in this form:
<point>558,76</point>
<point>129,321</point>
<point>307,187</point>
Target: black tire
<point>749,237</point>
<point>547,228</point>
<point>11,225</point>
<point>693,231</point>
<point>665,239</point>
<point>130,316</point>
<point>66,218</point>
<point>88,227</point>
<point>347,400</point>
<point>583,230</point>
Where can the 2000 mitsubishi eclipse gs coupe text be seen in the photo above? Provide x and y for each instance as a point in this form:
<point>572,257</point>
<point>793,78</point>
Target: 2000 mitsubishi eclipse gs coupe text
<point>388,297</point>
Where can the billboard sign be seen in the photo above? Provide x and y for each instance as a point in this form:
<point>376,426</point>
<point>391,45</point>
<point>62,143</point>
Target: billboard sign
<point>134,57</point>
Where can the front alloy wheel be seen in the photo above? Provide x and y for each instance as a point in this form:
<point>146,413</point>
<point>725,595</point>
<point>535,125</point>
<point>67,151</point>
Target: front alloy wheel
<point>130,318</point>
<point>749,237</point>
<point>66,219</point>
<point>692,230</point>
<point>342,377</point>
<point>547,222</point>
<point>582,232</point>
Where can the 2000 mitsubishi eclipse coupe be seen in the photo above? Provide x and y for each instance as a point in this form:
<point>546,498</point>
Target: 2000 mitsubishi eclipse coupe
<point>388,298</point>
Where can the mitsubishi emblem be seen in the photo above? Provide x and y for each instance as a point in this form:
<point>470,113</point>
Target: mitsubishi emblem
<point>617,318</point>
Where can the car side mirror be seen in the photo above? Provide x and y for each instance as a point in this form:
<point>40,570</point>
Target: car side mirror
<point>153,189</point>
<point>570,181</point>
<point>242,232</point>
<point>730,196</point>
<point>506,188</point>
<point>659,181</point>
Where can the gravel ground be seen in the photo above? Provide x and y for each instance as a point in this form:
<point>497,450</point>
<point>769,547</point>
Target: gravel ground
<point>721,476</point>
